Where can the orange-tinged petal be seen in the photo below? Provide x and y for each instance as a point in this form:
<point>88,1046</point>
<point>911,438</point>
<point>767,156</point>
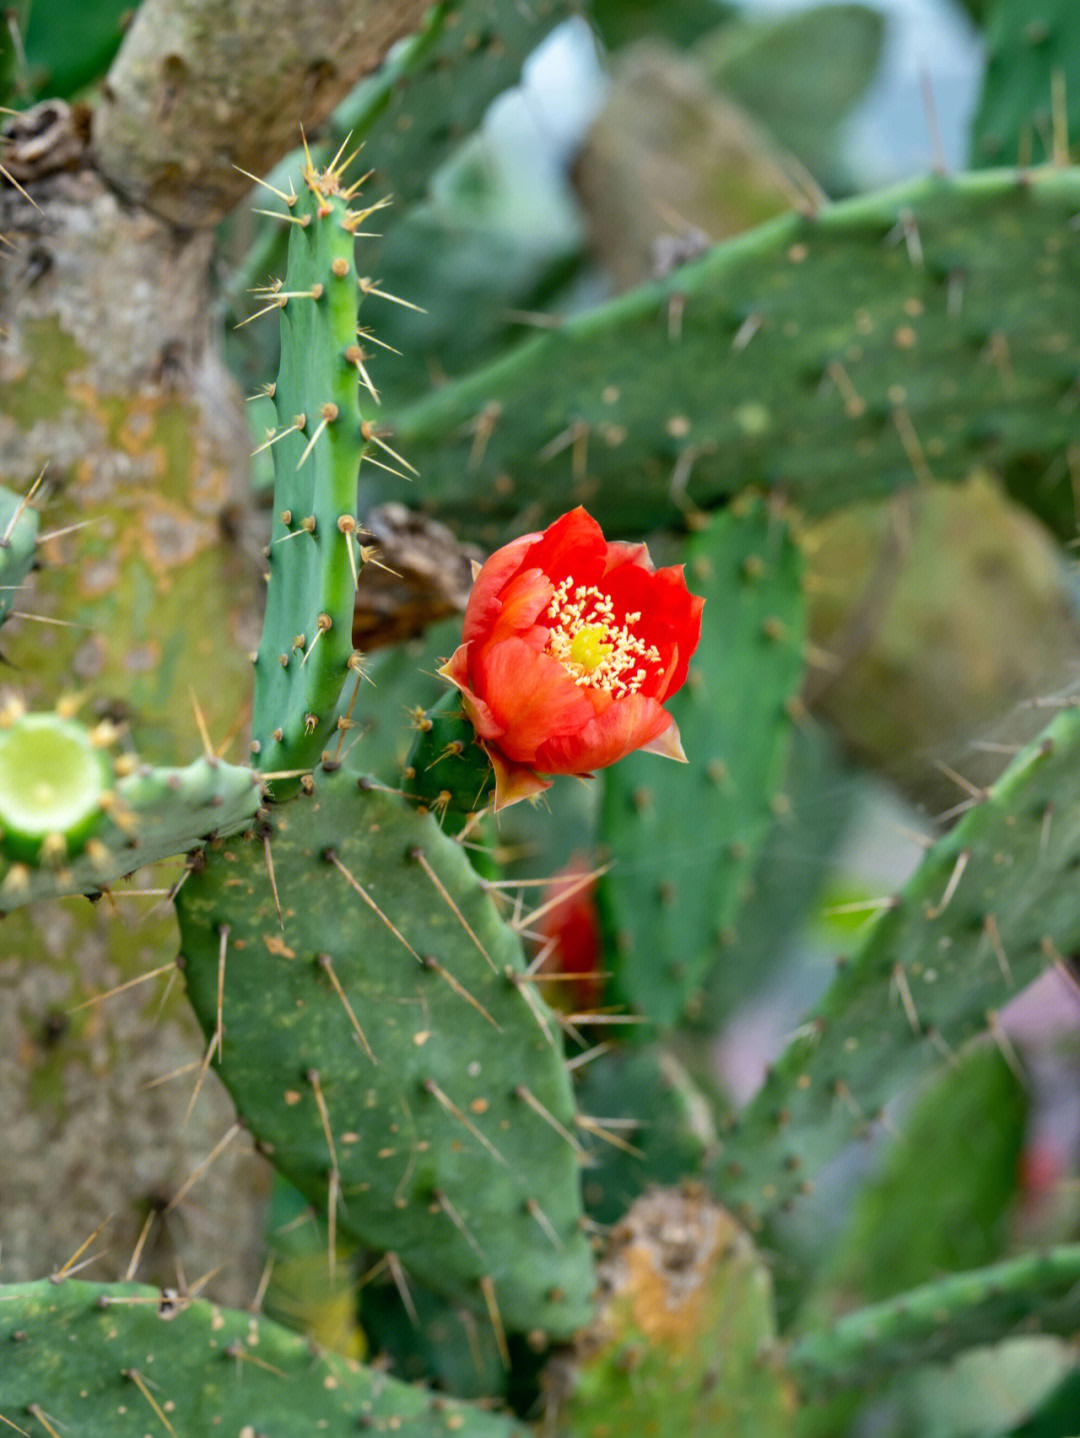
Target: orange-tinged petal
<point>530,695</point>
<point>635,722</point>
<point>521,605</point>
<point>456,669</point>
<point>513,782</point>
<point>574,544</point>
<point>495,573</point>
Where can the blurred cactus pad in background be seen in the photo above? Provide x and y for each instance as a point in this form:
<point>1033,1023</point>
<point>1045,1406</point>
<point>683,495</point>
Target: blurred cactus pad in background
<point>734,1096</point>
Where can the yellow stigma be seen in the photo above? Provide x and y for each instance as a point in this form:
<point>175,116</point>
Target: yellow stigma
<point>588,648</point>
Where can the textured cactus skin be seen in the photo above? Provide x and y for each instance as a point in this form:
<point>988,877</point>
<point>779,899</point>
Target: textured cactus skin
<point>968,1130</point>
<point>447,770</point>
<point>970,929</point>
<point>834,358</point>
<point>1039,1292</point>
<point>1031,50</point>
<point>17,549</point>
<point>303,660</point>
<point>418,1119</point>
<point>668,1123</point>
<point>125,1360</point>
<point>667,928</point>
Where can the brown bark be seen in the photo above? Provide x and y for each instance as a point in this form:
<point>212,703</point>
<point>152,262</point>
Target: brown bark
<point>202,86</point>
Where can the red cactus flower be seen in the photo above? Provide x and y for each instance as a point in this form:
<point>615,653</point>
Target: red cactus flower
<point>570,647</point>
<point>568,927</point>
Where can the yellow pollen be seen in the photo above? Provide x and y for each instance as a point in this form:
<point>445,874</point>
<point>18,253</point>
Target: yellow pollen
<point>588,649</point>
<point>591,645</point>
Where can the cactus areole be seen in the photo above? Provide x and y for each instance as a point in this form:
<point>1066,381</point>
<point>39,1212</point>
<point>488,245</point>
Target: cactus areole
<point>52,781</point>
<point>570,646</point>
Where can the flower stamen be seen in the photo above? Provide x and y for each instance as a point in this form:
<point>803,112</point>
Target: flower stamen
<point>592,645</point>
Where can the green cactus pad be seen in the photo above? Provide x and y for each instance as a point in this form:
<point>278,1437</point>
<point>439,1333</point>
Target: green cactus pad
<point>412,1072</point>
<point>18,533</point>
<point>1032,49</point>
<point>306,651</point>
<point>69,827</point>
<point>992,906</point>
<point>683,838</point>
<point>664,1124</point>
<point>968,1129</point>
<point>123,1361</point>
<point>839,357</point>
<point>1037,1293</point>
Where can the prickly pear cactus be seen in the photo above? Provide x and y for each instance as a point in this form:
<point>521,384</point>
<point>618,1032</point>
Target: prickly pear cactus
<point>734,715</point>
<point>833,357</point>
<point>473,1185</point>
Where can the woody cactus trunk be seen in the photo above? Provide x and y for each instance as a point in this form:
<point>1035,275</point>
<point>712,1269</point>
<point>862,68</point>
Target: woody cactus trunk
<point>367,1095</point>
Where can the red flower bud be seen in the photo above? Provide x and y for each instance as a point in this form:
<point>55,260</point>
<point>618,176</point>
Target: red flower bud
<point>570,647</point>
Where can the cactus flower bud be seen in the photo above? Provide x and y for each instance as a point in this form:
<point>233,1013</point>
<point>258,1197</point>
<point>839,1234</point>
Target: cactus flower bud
<point>570,647</point>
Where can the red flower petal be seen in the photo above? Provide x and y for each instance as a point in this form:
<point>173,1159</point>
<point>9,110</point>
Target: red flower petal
<point>513,782</point>
<point>625,725</point>
<point>530,711</point>
<point>573,545</point>
<point>530,695</point>
<point>495,573</point>
<point>521,604</point>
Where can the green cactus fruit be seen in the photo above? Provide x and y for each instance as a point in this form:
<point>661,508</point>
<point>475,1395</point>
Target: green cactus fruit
<point>447,770</point>
<point>735,726</point>
<point>18,535</point>
<point>420,1098</point>
<point>1029,108</point>
<point>685,1341</point>
<point>991,907</point>
<point>306,653</point>
<point>834,357</point>
<point>123,1360</point>
<point>73,820</point>
<point>1036,1293</point>
<point>54,776</point>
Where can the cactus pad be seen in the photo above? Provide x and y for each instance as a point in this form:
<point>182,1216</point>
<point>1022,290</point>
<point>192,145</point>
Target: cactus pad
<point>990,908</point>
<point>1039,1292</point>
<point>887,339</point>
<point>418,1096</point>
<point>683,839</point>
<point>306,653</point>
<point>126,1360</point>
